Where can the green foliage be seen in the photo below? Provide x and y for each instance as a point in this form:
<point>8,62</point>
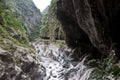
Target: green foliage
<point>53,5</point>
<point>51,27</point>
<point>11,27</point>
<point>45,11</point>
<point>105,68</point>
<point>31,17</point>
<point>12,32</point>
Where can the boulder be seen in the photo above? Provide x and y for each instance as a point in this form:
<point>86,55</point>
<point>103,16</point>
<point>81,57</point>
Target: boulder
<point>21,65</point>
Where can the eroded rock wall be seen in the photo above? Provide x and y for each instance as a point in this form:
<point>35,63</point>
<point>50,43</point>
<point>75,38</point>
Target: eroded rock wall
<point>51,27</point>
<point>90,22</point>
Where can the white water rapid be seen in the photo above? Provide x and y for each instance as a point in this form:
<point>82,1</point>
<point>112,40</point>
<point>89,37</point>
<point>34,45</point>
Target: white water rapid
<point>57,65</point>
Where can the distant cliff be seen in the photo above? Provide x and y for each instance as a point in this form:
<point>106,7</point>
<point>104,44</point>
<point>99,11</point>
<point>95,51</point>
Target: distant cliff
<point>31,17</point>
<point>51,27</point>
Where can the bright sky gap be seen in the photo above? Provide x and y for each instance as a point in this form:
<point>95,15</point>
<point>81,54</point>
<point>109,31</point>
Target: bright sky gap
<point>42,4</point>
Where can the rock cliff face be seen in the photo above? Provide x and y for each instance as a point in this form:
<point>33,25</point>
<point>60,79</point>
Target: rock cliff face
<point>17,58</point>
<point>51,27</point>
<point>31,17</point>
<point>90,23</point>
<point>18,67</point>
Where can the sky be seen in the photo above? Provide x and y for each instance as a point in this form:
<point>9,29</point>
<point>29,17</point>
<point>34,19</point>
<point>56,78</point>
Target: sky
<point>42,4</point>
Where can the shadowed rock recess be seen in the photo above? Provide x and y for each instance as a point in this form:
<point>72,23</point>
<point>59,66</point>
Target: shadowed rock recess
<point>91,24</point>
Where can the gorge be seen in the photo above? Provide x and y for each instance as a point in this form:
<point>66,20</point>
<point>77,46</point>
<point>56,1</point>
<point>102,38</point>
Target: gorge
<point>69,40</point>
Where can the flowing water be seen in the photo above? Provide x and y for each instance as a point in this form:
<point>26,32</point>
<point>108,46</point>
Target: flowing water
<point>57,65</point>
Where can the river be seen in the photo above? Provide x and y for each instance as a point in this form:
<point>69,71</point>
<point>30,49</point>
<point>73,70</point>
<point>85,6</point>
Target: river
<point>57,64</point>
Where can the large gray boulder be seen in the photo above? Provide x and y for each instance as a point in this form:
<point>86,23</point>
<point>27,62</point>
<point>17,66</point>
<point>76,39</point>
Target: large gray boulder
<point>21,65</point>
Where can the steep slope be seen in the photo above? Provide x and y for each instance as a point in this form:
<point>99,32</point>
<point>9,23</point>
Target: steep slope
<point>17,58</point>
<point>31,17</point>
<point>45,11</point>
<point>11,25</point>
<point>51,27</point>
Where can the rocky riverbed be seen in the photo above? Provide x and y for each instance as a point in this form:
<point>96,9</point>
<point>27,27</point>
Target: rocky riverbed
<point>57,65</point>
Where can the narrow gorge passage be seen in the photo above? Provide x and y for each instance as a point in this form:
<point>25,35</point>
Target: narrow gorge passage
<point>59,40</point>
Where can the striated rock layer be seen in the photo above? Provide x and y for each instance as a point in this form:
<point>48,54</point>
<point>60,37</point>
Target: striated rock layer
<point>90,23</point>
